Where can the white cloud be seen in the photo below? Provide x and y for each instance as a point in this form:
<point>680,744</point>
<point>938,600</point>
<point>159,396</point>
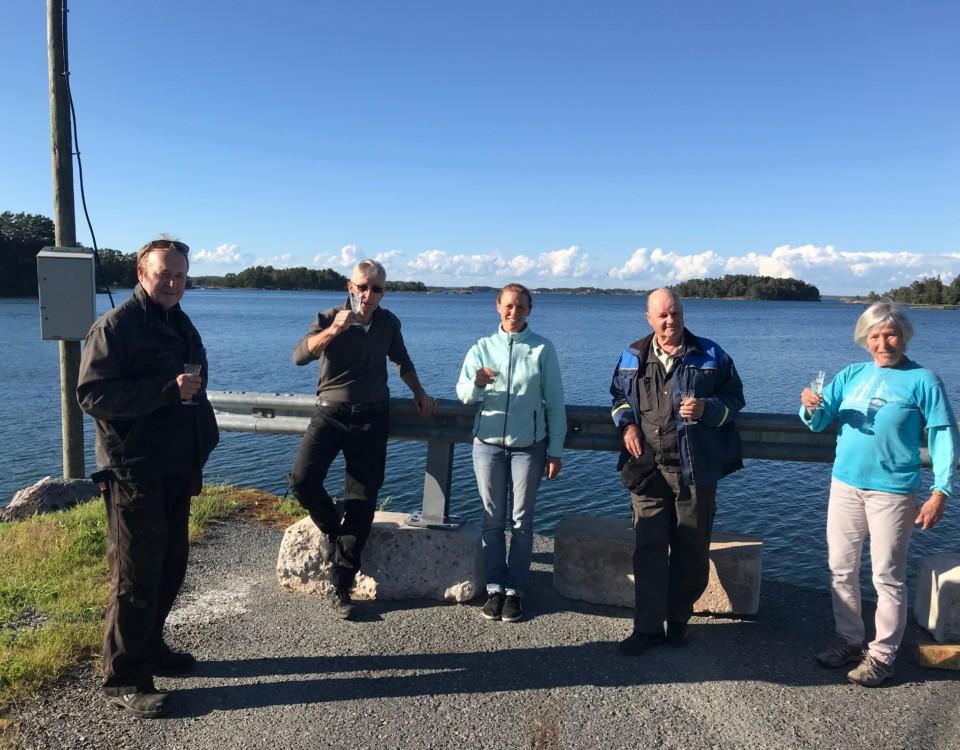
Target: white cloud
<point>518,265</point>
<point>661,267</point>
<point>386,257</point>
<point>346,258</point>
<point>833,271</point>
<point>224,255</point>
<point>441,262</point>
<point>563,263</point>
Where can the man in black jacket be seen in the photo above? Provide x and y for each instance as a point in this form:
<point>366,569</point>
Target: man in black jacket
<point>155,430</point>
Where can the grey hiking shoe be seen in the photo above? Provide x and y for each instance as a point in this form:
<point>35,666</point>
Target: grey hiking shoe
<point>143,705</point>
<point>838,653</point>
<point>870,672</point>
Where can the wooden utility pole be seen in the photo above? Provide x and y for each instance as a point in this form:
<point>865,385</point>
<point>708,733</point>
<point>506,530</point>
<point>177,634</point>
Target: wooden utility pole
<point>71,418</point>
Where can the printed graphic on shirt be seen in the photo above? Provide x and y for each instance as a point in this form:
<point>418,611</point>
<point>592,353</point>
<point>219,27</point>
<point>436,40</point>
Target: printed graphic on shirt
<point>868,398</point>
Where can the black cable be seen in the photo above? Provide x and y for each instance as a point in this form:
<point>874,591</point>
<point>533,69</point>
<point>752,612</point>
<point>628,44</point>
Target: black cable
<point>76,146</point>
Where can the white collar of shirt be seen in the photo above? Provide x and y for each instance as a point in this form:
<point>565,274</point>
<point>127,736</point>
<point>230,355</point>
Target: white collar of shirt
<point>666,359</point>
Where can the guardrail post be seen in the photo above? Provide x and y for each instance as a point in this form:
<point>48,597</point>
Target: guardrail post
<point>436,487</point>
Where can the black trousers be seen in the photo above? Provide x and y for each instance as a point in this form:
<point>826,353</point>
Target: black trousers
<point>671,559</point>
<point>360,433</point>
<point>147,552</point>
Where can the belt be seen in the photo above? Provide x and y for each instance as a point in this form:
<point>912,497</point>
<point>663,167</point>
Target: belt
<point>347,406</point>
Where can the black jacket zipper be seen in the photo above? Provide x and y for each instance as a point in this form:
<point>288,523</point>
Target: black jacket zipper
<point>506,408</point>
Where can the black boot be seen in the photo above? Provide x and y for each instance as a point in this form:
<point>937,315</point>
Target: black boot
<point>327,547</point>
<point>343,605</point>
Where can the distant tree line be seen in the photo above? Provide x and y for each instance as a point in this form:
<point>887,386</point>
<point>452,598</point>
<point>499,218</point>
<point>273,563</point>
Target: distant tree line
<point>928,291</point>
<point>268,277</point>
<point>406,286</point>
<point>749,287</point>
<point>23,235</point>
<point>119,270</point>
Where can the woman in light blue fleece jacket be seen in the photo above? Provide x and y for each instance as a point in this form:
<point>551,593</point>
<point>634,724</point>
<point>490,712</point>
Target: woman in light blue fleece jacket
<point>514,377</point>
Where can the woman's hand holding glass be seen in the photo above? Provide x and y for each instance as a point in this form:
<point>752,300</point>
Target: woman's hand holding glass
<point>485,376</point>
<point>810,400</point>
<point>811,396</point>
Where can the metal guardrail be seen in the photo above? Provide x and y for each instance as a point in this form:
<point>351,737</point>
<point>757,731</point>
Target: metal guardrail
<point>777,437</point>
<point>773,437</point>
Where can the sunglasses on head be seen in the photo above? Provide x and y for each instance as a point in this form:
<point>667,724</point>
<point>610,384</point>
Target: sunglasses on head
<point>167,244</point>
<point>372,287</point>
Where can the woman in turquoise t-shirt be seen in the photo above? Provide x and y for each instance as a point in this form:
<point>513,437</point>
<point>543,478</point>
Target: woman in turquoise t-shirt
<point>881,408</point>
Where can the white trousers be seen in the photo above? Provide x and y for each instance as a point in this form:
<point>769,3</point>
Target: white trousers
<point>888,519</point>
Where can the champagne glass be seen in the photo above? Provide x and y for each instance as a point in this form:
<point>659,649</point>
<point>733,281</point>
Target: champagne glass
<point>687,392</point>
<point>816,382</point>
<point>355,301</point>
<point>191,368</point>
<point>685,395</point>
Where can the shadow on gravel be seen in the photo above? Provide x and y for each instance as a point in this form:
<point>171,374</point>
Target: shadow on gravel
<point>775,649</point>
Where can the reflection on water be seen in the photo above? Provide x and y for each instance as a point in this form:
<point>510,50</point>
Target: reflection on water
<point>249,336</point>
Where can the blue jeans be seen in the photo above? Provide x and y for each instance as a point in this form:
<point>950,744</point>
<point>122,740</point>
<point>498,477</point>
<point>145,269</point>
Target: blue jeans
<point>496,469</point>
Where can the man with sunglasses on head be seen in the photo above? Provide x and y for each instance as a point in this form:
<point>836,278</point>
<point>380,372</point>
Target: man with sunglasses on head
<point>155,430</point>
<point>351,418</point>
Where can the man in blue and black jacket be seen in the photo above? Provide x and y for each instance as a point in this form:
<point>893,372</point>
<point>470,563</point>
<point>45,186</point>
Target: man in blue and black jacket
<point>675,397</point>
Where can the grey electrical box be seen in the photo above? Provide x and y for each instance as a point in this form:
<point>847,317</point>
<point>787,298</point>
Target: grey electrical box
<point>68,300</point>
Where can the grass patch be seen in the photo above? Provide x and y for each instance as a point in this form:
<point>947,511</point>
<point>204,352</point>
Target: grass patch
<point>53,582</point>
<point>53,587</point>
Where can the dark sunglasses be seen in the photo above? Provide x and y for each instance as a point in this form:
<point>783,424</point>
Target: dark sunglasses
<point>372,287</point>
<point>181,247</point>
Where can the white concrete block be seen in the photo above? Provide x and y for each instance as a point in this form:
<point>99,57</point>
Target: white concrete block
<point>593,562</point>
<point>936,604</point>
<point>398,562</point>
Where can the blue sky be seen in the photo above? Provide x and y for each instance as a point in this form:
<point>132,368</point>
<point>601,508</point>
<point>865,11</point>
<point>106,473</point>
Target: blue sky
<point>627,144</point>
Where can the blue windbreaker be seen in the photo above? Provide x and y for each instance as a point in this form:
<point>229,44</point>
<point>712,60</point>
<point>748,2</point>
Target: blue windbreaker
<point>710,448</point>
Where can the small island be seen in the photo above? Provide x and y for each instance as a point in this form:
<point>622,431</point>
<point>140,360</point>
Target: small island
<point>742,286</point>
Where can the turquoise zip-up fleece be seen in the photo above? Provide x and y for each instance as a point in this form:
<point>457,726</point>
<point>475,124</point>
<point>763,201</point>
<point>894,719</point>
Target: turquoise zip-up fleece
<point>524,404</point>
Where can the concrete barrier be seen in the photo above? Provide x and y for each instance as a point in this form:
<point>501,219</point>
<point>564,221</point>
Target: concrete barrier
<point>593,562</point>
<point>936,604</point>
<point>399,561</point>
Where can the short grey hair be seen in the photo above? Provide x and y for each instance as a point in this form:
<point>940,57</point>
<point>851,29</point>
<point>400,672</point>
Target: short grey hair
<point>881,314</point>
<point>371,268</point>
<point>674,297</point>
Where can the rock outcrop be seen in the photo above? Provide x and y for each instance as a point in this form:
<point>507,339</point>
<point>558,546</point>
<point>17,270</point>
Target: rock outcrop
<point>48,495</point>
<point>399,561</point>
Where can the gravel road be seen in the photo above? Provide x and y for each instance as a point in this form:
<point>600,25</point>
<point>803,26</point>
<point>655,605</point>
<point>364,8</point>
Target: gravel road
<point>279,670</point>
